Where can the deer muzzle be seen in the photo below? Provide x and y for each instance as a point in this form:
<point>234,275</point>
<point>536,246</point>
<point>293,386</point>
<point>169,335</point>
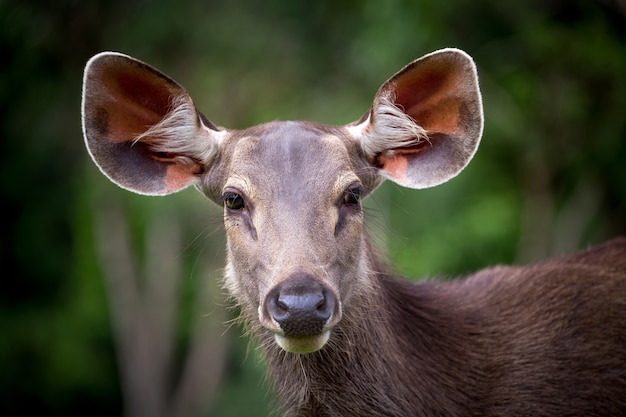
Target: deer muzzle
<point>303,310</point>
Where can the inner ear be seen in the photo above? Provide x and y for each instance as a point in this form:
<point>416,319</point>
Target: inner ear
<point>431,98</point>
<point>136,98</point>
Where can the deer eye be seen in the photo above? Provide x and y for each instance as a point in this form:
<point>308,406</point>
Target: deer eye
<point>352,196</point>
<point>233,201</point>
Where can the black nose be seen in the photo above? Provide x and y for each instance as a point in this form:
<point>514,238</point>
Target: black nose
<point>301,305</point>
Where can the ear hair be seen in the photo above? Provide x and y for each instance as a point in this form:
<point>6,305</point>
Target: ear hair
<point>177,134</point>
<point>393,129</point>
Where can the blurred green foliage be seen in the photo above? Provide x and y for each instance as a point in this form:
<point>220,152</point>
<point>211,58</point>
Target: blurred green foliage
<point>549,177</point>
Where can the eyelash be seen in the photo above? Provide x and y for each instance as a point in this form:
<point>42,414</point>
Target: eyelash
<point>352,197</point>
<point>233,201</point>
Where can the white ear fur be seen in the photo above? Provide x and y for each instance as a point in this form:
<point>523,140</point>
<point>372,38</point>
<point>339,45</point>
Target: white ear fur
<point>394,129</point>
<point>178,133</point>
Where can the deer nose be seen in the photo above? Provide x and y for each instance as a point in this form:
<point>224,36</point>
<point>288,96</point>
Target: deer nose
<point>301,305</point>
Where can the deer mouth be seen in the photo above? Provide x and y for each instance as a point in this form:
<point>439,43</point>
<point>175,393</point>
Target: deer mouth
<point>302,344</point>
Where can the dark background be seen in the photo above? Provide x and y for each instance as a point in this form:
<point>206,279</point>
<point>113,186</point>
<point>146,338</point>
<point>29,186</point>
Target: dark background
<point>550,175</point>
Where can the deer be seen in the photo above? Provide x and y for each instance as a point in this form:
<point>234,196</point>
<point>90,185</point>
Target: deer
<point>340,333</point>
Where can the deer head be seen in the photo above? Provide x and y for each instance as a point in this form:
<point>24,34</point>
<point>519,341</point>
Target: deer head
<point>297,257</point>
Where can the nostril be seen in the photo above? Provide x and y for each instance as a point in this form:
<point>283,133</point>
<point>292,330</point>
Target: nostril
<point>277,307</point>
<point>282,305</point>
<point>325,307</point>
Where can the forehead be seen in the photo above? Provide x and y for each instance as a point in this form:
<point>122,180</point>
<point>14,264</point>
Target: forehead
<point>292,155</point>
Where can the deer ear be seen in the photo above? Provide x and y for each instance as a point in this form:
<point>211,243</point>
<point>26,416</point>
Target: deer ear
<point>426,121</point>
<point>141,128</point>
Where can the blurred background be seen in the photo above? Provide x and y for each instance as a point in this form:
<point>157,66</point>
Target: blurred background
<point>110,302</point>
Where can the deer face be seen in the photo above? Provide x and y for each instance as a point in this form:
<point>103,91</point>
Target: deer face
<point>293,217</point>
